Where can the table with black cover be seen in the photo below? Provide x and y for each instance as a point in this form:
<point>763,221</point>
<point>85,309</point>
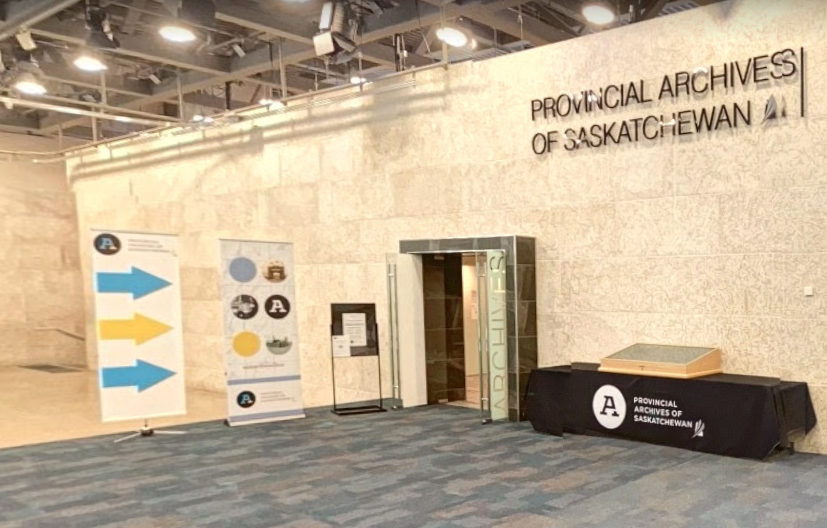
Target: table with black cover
<point>725,414</point>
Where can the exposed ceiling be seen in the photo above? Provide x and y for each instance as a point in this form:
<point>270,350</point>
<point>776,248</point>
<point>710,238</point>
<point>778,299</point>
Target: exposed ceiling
<point>249,50</point>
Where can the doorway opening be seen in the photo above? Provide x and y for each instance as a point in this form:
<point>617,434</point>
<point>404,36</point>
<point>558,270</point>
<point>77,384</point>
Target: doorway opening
<point>452,340</point>
<point>462,323</point>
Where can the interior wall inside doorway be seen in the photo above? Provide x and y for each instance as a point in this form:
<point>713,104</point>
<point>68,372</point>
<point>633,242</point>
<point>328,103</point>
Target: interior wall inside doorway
<point>451,331</point>
<point>444,332</point>
<point>470,311</point>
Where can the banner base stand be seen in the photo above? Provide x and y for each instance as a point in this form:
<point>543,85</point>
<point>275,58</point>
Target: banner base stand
<point>146,431</point>
<point>362,409</point>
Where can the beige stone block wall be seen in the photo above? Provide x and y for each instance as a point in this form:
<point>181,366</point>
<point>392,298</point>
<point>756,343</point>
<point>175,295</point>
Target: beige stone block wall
<point>705,240</point>
<point>40,283</point>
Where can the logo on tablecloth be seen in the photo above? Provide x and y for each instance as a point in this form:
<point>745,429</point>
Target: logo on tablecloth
<point>609,406</point>
<point>699,429</point>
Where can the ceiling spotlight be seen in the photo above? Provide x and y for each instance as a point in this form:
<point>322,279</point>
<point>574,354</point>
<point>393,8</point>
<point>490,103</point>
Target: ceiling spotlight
<point>28,84</point>
<point>90,63</point>
<point>265,101</point>
<point>239,50</point>
<point>197,118</point>
<point>154,78</point>
<point>598,14</point>
<point>356,79</point>
<point>277,105</point>
<point>177,33</point>
<point>452,36</point>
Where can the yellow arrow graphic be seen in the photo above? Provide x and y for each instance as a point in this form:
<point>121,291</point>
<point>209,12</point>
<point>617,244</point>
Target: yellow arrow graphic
<point>139,328</point>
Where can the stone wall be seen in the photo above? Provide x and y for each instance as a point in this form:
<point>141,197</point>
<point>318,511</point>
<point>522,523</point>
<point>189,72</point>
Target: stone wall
<point>40,285</point>
<point>707,239</point>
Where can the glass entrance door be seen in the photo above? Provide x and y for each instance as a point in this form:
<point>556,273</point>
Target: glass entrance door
<point>492,335</point>
<point>406,332</point>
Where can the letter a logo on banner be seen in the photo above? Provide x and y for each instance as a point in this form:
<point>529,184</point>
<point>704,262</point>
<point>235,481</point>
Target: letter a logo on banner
<point>609,406</point>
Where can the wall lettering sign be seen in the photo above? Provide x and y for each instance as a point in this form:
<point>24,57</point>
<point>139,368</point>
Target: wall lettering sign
<point>774,71</point>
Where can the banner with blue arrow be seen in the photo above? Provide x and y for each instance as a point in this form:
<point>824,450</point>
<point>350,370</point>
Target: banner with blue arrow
<point>139,341</point>
<point>142,376</point>
<point>137,282</point>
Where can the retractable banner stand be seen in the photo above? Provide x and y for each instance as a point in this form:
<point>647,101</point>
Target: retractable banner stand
<point>138,312</point>
<point>260,328</point>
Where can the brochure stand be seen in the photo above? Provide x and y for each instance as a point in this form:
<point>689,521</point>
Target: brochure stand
<point>359,409</point>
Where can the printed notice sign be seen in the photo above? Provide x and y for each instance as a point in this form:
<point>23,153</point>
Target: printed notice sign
<point>341,346</point>
<point>355,326</point>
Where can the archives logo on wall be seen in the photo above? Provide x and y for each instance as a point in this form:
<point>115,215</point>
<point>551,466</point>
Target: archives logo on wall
<point>609,406</point>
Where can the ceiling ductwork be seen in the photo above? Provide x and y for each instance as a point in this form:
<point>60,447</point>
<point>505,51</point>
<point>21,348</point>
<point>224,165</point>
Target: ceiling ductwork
<point>109,56</point>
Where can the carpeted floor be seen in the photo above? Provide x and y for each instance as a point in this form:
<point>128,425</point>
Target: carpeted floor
<point>429,467</point>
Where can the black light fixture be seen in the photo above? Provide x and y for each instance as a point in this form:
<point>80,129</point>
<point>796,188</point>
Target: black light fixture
<point>338,27</point>
<point>200,12</point>
<point>100,28</point>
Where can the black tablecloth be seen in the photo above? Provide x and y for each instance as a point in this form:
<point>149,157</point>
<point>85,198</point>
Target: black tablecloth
<point>741,416</point>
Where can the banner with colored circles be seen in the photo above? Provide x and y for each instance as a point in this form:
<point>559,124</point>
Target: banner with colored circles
<point>260,328</point>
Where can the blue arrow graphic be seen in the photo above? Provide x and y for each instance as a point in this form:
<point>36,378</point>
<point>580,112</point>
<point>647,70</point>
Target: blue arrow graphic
<point>137,282</point>
<point>142,376</point>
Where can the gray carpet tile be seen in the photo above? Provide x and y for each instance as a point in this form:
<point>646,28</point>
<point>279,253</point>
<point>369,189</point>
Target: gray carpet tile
<point>433,467</point>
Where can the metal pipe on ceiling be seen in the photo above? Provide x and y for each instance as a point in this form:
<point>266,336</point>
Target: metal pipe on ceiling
<point>99,106</point>
<point>169,16</point>
<point>81,112</point>
<point>38,13</point>
<point>61,155</point>
<point>201,144</point>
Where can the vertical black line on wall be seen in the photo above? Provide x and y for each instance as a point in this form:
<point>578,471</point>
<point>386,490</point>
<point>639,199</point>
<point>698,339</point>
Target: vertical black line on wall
<point>803,82</point>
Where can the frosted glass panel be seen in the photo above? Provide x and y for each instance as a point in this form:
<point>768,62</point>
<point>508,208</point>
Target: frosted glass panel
<point>661,353</point>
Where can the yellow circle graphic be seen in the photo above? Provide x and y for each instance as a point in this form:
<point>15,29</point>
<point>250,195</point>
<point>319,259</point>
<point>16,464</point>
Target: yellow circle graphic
<point>246,344</point>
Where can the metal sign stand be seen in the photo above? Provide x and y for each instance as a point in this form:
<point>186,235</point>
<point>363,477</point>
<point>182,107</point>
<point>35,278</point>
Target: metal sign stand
<point>359,409</point>
<point>146,430</point>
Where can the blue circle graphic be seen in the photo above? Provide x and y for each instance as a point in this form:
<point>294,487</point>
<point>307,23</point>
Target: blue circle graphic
<point>242,269</point>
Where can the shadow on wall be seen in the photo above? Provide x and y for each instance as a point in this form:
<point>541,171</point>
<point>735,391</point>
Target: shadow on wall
<point>254,140</point>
